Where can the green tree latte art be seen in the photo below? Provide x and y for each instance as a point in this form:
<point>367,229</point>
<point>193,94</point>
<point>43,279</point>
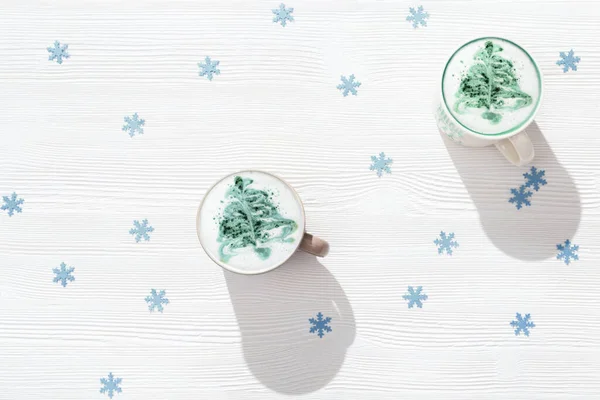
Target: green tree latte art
<point>250,219</point>
<point>491,83</point>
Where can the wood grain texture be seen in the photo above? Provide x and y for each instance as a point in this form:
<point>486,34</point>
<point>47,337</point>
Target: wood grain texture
<point>275,107</point>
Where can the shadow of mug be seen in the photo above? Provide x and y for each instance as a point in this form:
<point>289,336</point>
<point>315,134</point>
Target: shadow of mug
<point>530,233</point>
<point>272,312</point>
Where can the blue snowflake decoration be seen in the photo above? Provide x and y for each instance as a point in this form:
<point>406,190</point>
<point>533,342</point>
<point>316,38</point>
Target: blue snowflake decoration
<point>415,297</point>
<point>134,125</point>
<point>141,230</point>
<point>58,52</point>
<point>11,204</point>
<point>535,178</point>
<point>110,386</point>
<point>445,243</point>
<point>568,61</point>
<point>418,17</point>
<point>283,14</point>
<point>156,300</point>
<point>567,252</point>
<point>209,68</point>
<point>381,164</point>
<point>63,275</point>
<point>522,324</point>
<point>520,197</point>
<point>348,85</point>
<point>320,325</point>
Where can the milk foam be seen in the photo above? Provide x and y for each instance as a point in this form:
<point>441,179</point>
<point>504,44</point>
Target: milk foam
<point>505,104</point>
<point>251,259</point>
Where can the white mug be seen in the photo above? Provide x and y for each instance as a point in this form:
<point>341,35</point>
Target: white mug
<point>254,223</point>
<point>514,144</point>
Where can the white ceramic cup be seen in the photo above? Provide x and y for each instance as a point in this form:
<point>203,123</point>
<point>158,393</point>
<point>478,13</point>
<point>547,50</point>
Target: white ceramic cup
<point>514,144</point>
<point>306,242</point>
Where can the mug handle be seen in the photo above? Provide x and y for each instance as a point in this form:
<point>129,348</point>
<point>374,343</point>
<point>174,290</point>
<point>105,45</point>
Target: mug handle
<point>313,245</point>
<point>517,149</point>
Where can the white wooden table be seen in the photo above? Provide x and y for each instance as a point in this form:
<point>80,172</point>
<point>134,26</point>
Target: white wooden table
<point>275,107</point>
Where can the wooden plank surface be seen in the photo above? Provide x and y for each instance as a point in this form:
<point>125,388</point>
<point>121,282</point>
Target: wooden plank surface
<point>275,107</point>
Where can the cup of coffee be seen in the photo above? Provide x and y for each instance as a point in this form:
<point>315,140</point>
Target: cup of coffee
<point>251,222</point>
<point>491,90</point>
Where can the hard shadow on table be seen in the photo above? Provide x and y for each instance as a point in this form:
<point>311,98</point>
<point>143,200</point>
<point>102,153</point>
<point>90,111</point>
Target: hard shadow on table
<point>272,312</point>
<point>530,233</point>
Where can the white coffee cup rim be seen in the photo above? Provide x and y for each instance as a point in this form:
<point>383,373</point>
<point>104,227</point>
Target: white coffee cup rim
<point>514,130</point>
<point>229,267</point>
